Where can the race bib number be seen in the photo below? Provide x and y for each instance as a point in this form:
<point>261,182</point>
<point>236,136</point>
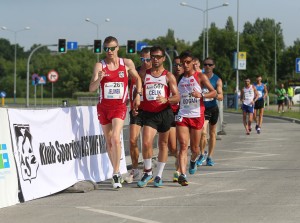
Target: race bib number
<point>187,101</point>
<point>178,118</point>
<point>259,94</point>
<point>205,91</point>
<point>113,90</point>
<point>134,93</point>
<point>153,90</point>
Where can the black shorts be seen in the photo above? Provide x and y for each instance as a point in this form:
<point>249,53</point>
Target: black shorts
<point>161,121</point>
<point>259,104</point>
<point>212,115</point>
<point>136,120</point>
<point>280,102</point>
<point>174,122</point>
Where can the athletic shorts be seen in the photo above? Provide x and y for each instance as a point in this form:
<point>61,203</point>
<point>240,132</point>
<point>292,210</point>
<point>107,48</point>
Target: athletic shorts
<point>174,121</point>
<point>193,123</point>
<point>247,108</point>
<point>136,120</point>
<point>260,103</point>
<point>161,121</point>
<point>106,115</point>
<point>280,102</point>
<point>212,115</point>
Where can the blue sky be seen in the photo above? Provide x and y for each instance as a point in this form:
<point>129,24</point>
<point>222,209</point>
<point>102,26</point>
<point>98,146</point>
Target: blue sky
<point>134,19</point>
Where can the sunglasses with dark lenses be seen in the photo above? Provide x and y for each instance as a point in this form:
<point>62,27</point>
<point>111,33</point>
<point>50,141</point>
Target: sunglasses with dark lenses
<point>187,62</point>
<point>106,49</point>
<point>208,64</point>
<point>156,56</point>
<point>143,59</point>
<point>177,65</point>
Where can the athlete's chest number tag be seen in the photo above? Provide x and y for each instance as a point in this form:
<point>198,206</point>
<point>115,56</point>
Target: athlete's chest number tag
<point>114,90</point>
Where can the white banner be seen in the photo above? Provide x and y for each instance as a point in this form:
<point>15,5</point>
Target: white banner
<point>8,172</point>
<point>56,148</point>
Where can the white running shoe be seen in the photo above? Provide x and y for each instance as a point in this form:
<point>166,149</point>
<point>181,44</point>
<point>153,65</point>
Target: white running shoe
<point>116,181</point>
<point>132,175</point>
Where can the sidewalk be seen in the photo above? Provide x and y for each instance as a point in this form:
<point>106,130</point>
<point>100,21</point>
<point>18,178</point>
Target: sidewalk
<point>275,108</point>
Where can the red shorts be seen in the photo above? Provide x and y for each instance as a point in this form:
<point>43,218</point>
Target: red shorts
<point>106,115</point>
<point>194,123</point>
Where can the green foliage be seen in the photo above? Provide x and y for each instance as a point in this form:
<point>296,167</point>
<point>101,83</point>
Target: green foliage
<point>75,68</point>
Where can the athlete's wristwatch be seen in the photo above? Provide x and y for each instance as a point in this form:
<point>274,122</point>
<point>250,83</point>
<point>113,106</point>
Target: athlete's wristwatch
<point>202,94</point>
<point>139,93</point>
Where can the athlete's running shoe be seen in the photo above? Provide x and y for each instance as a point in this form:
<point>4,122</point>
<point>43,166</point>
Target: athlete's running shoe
<point>209,162</point>
<point>145,180</point>
<point>193,167</point>
<point>116,181</point>
<point>175,176</point>
<point>182,180</point>
<point>158,182</point>
<point>258,130</point>
<point>256,127</point>
<point>132,175</point>
<point>201,159</point>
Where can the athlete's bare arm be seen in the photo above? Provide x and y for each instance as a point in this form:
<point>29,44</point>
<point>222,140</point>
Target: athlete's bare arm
<point>219,89</point>
<point>134,75</point>
<point>204,81</point>
<point>98,74</point>
<point>175,97</point>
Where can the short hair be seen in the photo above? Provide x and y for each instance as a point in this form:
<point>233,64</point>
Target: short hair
<point>176,58</point>
<point>145,50</point>
<point>186,54</point>
<point>110,39</point>
<point>209,58</point>
<point>157,48</point>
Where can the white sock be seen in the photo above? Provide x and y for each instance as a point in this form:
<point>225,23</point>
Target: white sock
<point>160,168</point>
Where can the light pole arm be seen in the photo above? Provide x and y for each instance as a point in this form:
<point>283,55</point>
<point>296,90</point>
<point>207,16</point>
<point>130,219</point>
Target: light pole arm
<point>28,63</point>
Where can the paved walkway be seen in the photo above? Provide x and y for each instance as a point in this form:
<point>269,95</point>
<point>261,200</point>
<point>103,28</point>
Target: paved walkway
<point>256,179</point>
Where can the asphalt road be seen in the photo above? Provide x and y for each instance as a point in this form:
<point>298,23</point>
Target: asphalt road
<point>256,178</point>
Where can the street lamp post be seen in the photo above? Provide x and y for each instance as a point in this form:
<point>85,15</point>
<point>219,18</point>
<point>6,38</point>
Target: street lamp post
<point>237,54</point>
<point>206,28</point>
<point>97,25</point>
<point>15,59</point>
<point>275,53</point>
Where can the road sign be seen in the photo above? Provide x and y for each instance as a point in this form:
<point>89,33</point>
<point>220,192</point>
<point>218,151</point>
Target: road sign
<point>72,45</point>
<point>42,80</point>
<point>141,45</point>
<point>242,60</point>
<point>297,65</point>
<point>52,76</point>
<point>2,94</point>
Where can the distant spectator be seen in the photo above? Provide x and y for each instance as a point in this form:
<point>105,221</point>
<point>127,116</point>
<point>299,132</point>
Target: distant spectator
<point>290,92</point>
<point>280,92</point>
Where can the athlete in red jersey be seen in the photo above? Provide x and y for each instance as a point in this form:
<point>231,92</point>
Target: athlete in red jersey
<point>157,114</point>
<point>172,141</point>
<point>111,76</point>
<point>190,118</point>
<point>136,121</point>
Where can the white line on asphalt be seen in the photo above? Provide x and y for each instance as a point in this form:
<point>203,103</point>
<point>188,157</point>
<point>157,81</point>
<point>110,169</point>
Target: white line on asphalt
<point>191,195</point>
<point>241,151</point>
<point>117,215</point>
<point>262,140</point>
<point>228,171</point>
<point>248,157</point>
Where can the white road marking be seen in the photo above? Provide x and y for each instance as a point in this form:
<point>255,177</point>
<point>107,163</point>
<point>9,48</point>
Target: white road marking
<point>117,215</point>
<point>191,195</point>
<point>248,157</point>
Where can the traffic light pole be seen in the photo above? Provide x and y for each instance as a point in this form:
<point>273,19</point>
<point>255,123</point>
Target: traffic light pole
<point>28,63</point>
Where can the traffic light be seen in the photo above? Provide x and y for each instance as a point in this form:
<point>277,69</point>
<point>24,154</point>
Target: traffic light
<point>131,46</point>
<point>62,48</point>
<point>97,46</point>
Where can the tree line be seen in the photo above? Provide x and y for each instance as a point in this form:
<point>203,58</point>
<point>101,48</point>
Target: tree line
<point>75,67</point>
